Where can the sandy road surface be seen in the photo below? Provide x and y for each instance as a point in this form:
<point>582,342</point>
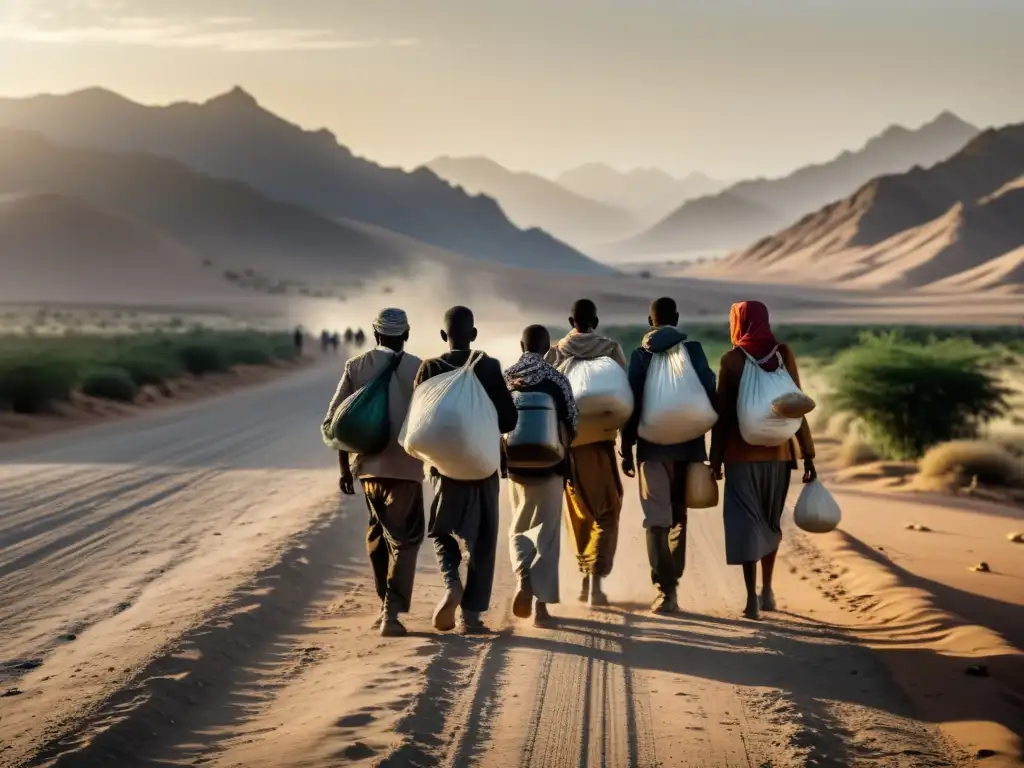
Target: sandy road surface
<point>186,589</point>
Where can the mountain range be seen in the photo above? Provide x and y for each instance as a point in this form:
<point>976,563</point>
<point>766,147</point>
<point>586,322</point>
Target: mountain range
<point>530,200</point>
<point>749,210</point>
<point>648,194</point>
<point>233,137</point>
<point>957,225</point>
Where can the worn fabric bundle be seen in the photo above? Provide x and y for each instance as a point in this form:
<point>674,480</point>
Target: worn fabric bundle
<point>701,486</point>
<point>603,396</point>
<point>361,424</point>
<point>452,425</point>
<point>536,442</point>
<point>816,509</point>
<point>759,389</point>
<point>676,407</point>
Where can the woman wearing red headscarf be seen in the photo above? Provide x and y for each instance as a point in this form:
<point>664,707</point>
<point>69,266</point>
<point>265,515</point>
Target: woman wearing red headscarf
<point>756,477</point>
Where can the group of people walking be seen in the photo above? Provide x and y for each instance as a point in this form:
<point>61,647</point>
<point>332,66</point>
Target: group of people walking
<point>585,488</point>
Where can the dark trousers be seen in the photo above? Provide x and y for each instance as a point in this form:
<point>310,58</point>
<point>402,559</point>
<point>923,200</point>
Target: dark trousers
<point>393,536</point>
<point>663,501</point>
<point>466,511</point>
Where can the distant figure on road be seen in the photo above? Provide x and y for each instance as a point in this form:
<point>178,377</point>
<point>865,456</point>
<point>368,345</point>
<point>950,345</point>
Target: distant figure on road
<point>325,340</point>
<point>298,338</point>
<point>360,339</point>
<point>348,335</point>
<point>335,341</point>
<point>392,480</point>
<point>756,477</point>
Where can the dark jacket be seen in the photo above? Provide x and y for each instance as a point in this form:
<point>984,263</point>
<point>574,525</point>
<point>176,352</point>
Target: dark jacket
<point>562,409</point>
<point>662,340</point>
<point>488,371</point>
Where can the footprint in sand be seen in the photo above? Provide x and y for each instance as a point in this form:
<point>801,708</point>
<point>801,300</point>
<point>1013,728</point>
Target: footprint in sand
<point>357,750</point>
<point>356,720</point>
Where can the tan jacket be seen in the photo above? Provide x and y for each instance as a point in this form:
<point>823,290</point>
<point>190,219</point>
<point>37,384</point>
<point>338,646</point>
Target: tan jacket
<point>727,445</point>
<point>393,462</point>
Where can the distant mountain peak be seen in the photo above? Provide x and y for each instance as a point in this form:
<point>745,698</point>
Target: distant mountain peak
<point>236,98</point>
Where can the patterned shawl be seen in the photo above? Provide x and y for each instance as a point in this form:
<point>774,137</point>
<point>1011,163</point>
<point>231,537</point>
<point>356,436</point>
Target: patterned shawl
<point>530,370</point>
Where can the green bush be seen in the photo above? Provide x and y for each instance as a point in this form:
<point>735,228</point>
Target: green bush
<point>147,365</point>
<point>199,357</point>
<point>911,396</point>
<point>31,383</point>
<point>110,384</point>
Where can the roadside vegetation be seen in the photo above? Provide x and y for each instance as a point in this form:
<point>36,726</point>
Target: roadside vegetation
<point>38,371</point>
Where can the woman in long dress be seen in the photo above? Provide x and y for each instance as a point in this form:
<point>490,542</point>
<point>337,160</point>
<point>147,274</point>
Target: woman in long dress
<point>756,477</point>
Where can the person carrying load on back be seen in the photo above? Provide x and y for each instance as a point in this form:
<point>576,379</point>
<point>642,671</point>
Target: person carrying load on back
<point>464,509</point>
<point>755,445</point>
<point>593,490</point>
<point>673,394</point>
<point>535,456</point>
<point>392,480</point>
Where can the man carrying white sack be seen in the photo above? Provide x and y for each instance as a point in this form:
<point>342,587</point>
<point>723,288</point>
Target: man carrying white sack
<point>466,510</point>
<point>663,467</point>
<point>536,492</point>
<point>392,480</point>
<point>593,491</point>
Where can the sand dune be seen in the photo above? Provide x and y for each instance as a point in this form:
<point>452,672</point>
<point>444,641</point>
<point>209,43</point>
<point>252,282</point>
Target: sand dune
<point>954,226</point>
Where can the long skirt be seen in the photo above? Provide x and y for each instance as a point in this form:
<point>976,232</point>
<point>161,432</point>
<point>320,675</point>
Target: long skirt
<point>593,495</point>
<point>535,533</point>
<point>755,497</point>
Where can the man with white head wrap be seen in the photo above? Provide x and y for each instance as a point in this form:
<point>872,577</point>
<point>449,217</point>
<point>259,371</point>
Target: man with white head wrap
<point>392,480</point>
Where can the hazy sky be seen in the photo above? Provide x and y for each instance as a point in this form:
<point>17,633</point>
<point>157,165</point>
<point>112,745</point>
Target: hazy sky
<point>727,87</point>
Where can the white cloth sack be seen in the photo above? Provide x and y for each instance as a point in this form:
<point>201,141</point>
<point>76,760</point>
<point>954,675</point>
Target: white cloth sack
<point>816,509</point>
<point>676,406</point>
<point>452,425</point>
<point>601,389</point>
<point>758,421</point>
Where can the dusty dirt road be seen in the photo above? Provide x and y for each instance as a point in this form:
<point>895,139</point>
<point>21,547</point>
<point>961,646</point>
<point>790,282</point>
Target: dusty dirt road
<point>188,588</point>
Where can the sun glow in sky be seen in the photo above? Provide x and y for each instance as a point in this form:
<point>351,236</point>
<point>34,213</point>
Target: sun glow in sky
<point>726,87</point>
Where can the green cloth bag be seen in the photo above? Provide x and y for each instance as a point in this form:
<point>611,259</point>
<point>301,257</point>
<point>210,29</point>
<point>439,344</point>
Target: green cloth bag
<point>361,424</point>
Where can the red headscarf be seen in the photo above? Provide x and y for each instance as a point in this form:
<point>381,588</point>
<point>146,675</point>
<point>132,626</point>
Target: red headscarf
<point>751,331</point>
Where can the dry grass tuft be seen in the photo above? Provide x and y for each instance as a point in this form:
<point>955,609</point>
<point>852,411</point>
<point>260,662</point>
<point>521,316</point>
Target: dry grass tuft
<point>855,452</point>
<point>963,463</point>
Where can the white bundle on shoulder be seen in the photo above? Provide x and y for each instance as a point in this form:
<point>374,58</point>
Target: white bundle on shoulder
<point>759,422</point>
<point>676,407</point>
<point>601,389</point>
<point>452,425</point>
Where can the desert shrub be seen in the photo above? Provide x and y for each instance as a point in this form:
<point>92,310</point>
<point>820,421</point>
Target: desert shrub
<point>148,365</point>
<point>854,452</point>
<point>991,463</point>
<point>201,356</point>
<point>248,349</point>
<point>31,382</point>
<point>110,384</point>
<point>912,396</point>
